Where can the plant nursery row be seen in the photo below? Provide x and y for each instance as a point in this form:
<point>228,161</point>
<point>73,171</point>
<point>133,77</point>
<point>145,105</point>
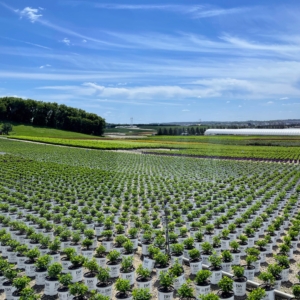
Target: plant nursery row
<point>78,224</point>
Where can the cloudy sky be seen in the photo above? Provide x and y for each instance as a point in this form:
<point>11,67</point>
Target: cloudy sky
<point>155,61</point>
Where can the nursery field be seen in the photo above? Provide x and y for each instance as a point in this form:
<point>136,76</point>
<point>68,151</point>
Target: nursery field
<point>198,146</point>
<point>91,224</point>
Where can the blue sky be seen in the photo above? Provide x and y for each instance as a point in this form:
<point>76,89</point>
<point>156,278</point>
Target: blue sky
<point>155,61</point>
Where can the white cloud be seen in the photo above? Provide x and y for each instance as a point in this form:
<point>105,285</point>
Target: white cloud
<point>66,41</point>
<point>84,41</point>
<point>240,106</point>
<point>227,101</point>
<point>185,110</point>
<point>44,66</point>
<point>284,98</point>
<point>31,13</point>
<point>270,102</point>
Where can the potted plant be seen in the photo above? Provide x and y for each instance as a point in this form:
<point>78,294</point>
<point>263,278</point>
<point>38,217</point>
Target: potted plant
<point>95,296</point>
<point>195,261</point>
<point>235,252</point>
<point>188,245</point>
<point>215,268</point>
<point>113,263</point>
<point>144,278</point>
<point>207,250</point>
<point>10,274</point>
<point>41,266</point>
<point>249,269</point>
<point>262,248</point>
<point>127,270</point>
<point>225,239</point>
<point>29,294</point>
<point>75,243</point>
<point>133,236</point>
<point>239,281</point>
<point>243,243</point>
<point>79,291</point>
<point>63,290</point>
<point>20,283</point>
<point>226,261</point>
<point>54,248</point>
<point>104,286</point>
<point>119,241</point>
<point>21,256</point>
<point>177,253</point>
<point>161,262</point>
<point>186,291</point>
<point>123,287</point>
<point>226,288</point>
<point>209,296</point>
<point>51,281</point>
<point>141,294</point>
<point>107,240</point>
<point>296,291</point>
<point>76,268</point>
<point>275,270</point>
<point>100,256</point>
<point>283,261</point>
<point>32,255</point>
<point>198,236</point>
<point>254,252</point>
<point>146,242</point>
<point>165,289</point>
<point>257,294</point>
<point>90,279</point>
<point>202,283</point>
<point>66,260</point>
<point>148,260</point>
<point>129,249</point>
<point>178,274</point>
<point>268,281</point>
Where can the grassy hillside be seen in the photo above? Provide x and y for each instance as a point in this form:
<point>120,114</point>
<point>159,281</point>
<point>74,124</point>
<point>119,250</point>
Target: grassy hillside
<point>27,130</point>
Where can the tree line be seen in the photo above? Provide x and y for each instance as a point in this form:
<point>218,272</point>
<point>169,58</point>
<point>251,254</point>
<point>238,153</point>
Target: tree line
<point>50,115</point>
<point>181,130</point>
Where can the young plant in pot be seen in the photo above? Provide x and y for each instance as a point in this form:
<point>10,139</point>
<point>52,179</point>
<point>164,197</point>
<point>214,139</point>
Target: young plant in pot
<point>268,284</point>
<point>207,250</point>
<point>100,256</point>
<point>225,239</point>
<point>215,268</point>
<point>133,236</point>
<point>275,270</point>
<point>21,256</point>
<point>54,248</point>
<point>202,282</point>
<point>41,266</point>
<point>161,262</point>
<point>178,273</point>
<point>144,278</point>
<point>195,261</point>
<point>79,291</point>
<point>296,291</point>
<point>76,268</point>
<point>11,251</point>
<point>114,263</point>
<point>186,291</point>
<point>89,278</point>
<point>165,288</point>
<point>177,253</point>
<point>76,238</point>
<point>227,260</point>
<point>107,240</point>
<point>51,281</point>
<point>32,255</point>
<point>10,274</point>
<point>141,294</point>
<point>239,281</point>
<point>128,247</point>
<point>235,252</point>
<point>20,283</point>
<point>123,287</point>
<point>210,296</point>
<point>283,261</point>
<point>146,242</point>
<point>127,270</point>
<point>29,294</point>
<point>198,236</point>
<point>226,288</point>
<point>188,245</point>
<point>148,261</point>
<point>87,252</point>
<point>66,259</point>
<point>104,285</point>
<point>243,244</point>
<point>249,268</point>
<point>256,253</point>
<point>216,244</point>
<point>63,289</point>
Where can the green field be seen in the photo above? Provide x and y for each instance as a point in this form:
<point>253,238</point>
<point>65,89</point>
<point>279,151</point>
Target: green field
<point>30,131</point>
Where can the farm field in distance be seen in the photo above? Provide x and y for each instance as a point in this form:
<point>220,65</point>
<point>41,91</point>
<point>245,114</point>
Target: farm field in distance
<point>202,146</point>
<point>244,211</point>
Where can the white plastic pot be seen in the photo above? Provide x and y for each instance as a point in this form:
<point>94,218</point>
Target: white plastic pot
<point>216,275</point>
<point>179,281</point>
<point>21,262</point>
<point>30,269</point>
<point>160,270</point>
<point>165,295</point>
<point>101,261</point>
<point>88,254</point>
<point>64,295</point>
<point>108,245</point>
<point>51,287</point>
<point>8,291</point>
<point>128,276</point>
<point>195,267</point>
<point>105,290</point>
<point>148,263</point>
<point>202,290</point>
<point>174,258</point>
<point>205,260</point>
<point>249,273</point>
<point>145,248</point>
<point>239,288</point>
<point>65,265</point>
<point>285,274</point>
<point>40,277</point>
<point>114,270</point>
<point>226,266</point>
<point>144,284</point>
<point>90,282</point>
<point>77,274</point>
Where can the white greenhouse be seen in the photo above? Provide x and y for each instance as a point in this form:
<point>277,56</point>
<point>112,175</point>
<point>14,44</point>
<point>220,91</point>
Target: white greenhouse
<point>254,131</point>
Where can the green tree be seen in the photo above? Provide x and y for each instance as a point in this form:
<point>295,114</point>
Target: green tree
<point>6,128</point>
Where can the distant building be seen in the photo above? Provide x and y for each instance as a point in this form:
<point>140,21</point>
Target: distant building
<point>253,131</point>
